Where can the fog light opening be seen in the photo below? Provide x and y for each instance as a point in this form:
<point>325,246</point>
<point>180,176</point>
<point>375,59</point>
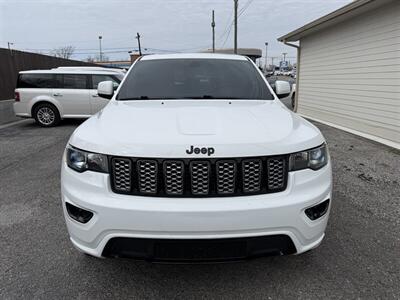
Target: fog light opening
<point>78,214</point>
<point>318,210</point>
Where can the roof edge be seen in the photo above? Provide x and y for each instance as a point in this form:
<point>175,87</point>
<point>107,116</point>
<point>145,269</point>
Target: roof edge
<point>300,32</point>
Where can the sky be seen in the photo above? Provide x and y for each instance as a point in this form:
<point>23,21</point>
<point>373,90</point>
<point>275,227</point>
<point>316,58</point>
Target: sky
<point>164,25</point>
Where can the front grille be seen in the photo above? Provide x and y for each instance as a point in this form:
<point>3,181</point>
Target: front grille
<point>251,175</point>
<point>276,178</point>
<point>200,177</point>
<point>122,174</point>
<point>174,177</point>
<point>226,177</point>
<point>214,177</point>
<point>147,173</point>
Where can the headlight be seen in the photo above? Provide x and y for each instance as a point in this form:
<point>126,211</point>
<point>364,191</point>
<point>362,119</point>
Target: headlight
<point>81,161</point>
<point>314,159</point>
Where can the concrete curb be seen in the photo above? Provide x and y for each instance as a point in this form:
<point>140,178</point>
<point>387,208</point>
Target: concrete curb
<point>7,111</point>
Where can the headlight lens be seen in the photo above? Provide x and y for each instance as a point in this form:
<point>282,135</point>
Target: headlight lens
<point>81,161</point>
<point>314,159</point>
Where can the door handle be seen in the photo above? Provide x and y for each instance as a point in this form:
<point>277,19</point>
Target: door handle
<point>57,95</point>
<point>95,95</point>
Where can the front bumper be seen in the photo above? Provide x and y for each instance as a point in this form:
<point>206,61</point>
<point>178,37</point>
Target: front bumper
<point>127,216</point>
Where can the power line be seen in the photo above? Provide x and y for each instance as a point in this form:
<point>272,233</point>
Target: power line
<point>227,26</point>
<point>227,36</point>
<point>231,22</point>
<point>86,41</point>
<point>246,6</point>
<point>121,50</point>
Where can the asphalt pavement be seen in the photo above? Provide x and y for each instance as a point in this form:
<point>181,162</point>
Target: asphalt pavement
<point>359,258</point>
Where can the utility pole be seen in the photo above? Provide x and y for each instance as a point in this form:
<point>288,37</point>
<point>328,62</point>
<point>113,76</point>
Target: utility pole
<point>138,40</point>
<point>9,44</point>
<point>266,56</point>
<point>213,32</point>
<point>236,20</point>
<point>101,53</point>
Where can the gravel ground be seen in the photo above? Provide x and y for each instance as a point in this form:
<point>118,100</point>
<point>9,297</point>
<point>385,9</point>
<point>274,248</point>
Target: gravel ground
<point>360,257</point>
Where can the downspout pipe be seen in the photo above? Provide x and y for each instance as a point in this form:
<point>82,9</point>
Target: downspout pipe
<point>296,95</point>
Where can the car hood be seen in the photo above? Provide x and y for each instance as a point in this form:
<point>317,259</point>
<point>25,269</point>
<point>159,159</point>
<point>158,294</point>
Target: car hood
<point>234,128</point>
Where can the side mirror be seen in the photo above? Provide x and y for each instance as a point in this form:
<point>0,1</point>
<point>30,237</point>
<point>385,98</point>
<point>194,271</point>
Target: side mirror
<point>282,88</point>
<point>105,89</point>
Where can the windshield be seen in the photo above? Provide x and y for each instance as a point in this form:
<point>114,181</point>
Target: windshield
<point>194,79</point>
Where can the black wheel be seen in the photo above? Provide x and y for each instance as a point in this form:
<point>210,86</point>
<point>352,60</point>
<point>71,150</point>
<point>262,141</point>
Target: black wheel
<point>46,115</point>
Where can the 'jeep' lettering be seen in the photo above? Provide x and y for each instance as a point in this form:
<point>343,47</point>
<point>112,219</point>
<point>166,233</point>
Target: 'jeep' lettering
<point>204,150</point>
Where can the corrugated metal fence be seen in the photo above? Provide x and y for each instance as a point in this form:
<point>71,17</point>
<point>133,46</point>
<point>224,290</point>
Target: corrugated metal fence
<point>11,62</point>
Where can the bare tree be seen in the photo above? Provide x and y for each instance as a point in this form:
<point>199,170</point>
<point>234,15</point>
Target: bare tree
<point>91,59</point>
<point>63,52</point>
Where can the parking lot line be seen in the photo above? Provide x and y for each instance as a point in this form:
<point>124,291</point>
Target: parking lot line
<point>14,123</point>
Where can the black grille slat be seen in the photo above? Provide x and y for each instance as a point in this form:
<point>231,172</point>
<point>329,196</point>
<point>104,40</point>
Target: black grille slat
<point>122,174</point>
<point>211,177</point>
<point>147,175</point>
<point>200,177</point>
<point>174,177</point>
<point>276,172</point>
<point>226,176</point>
<point>251,170</point>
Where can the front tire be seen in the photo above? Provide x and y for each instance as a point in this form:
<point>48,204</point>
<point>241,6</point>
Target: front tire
<point>46,115</point>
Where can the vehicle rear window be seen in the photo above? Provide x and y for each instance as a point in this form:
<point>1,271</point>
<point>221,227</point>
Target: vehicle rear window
<point>194,79</point>
<point>35,81</point>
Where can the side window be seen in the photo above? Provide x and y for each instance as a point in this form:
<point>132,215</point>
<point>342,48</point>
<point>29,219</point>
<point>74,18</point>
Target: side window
<point>74,81</point>
<point>96,79</point>
<point>58,81</point>
<point>38,81</point>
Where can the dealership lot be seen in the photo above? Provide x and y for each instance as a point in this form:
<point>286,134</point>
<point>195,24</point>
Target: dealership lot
<point>360,256</point>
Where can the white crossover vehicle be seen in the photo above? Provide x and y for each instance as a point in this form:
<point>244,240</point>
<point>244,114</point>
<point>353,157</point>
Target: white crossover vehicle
<point>66,92</point>
<point>195,158</point>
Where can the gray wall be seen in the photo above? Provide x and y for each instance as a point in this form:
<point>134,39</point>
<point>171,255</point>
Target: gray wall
<point>7,112</point>
<point>11,62</point>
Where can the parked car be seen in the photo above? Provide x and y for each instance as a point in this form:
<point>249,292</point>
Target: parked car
<point>269,73</point>
<point>51,95</point>
<point>287,73</point>
<point>195,158</point>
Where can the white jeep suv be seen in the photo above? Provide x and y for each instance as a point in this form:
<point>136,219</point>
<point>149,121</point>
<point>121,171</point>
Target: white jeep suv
<point>195,159</point>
